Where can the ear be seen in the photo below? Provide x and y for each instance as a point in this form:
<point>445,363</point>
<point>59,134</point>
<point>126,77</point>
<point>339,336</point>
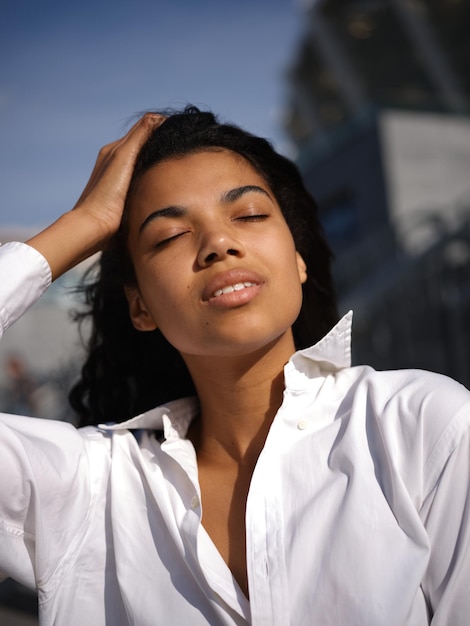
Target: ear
<point>140,316</point>
<point>301,268</point>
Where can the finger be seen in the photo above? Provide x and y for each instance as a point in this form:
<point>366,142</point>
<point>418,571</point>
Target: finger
<point>139,132</point>
<point>131,141</point>
<point>98,168</point>
<point>136,136</point>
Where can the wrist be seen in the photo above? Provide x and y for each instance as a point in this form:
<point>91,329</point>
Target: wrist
<point>72,238</point>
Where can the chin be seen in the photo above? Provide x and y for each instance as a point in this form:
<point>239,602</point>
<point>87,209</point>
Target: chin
<point>245,343</point>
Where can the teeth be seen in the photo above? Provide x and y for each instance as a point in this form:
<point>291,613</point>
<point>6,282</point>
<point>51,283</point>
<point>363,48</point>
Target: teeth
<point>232,288</point>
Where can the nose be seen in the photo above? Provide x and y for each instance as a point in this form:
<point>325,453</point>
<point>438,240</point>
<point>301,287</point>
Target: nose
<point>217,244</point>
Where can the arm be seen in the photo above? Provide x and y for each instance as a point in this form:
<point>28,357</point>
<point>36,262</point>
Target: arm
<point>34,496</point>
<point>446,514</point>
<point>79,233</point>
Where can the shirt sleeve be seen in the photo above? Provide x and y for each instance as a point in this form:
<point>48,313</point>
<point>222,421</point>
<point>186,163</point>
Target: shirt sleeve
<point>44,468</point>
<point>24,277</point>
<point>446,515</point>
<point>44,496</point>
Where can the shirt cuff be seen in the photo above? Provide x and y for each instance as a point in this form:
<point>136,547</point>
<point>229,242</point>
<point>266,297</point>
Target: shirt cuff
<point>24,277</point>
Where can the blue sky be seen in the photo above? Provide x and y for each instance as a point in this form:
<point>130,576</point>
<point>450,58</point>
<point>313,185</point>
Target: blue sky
<point>73,74</point>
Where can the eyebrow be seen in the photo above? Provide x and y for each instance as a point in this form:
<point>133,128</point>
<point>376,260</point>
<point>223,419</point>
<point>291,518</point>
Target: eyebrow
<point>234,194</point>
<point>177,211</point>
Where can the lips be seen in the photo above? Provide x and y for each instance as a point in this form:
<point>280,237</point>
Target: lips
<point>226,283</point>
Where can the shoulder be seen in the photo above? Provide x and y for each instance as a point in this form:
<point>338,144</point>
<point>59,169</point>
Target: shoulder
<point>414,418</point>
<point>51,458</point>
<point>43,450</point>
<point>413,395</point>
<point>38,433</point>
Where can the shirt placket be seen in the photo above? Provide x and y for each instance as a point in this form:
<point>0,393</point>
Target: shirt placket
<point>206,562</point>
<point>265,546</point>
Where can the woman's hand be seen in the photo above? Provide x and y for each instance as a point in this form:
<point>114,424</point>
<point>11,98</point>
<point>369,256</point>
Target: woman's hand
<point>95,218</point>
<point>105,193</point>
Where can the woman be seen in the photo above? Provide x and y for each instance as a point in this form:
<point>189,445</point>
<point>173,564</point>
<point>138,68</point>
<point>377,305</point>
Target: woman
<point>289,488</point>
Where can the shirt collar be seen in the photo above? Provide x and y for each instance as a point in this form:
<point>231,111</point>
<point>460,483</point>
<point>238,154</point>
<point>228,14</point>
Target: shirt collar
<point>331,354</point>
<point>333,351</point>
<point>173,418</point>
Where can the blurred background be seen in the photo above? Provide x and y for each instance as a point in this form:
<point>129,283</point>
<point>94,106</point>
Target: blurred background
<point>371,98</point>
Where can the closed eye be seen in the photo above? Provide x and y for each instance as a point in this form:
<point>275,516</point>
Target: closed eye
<point>252,218</point>
<point>164,242</point>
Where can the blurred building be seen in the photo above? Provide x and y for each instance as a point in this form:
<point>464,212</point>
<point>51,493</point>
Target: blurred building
<point>379,113</point>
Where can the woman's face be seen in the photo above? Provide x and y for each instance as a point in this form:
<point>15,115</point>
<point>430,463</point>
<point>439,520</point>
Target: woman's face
<point>216,266</point>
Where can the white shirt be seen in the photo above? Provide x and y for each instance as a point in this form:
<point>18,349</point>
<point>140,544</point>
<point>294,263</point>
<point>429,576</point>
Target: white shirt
<point>358,509</point>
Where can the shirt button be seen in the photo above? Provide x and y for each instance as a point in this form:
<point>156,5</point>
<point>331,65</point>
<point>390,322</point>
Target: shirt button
<point>194,502</point>
<point>302,424</point>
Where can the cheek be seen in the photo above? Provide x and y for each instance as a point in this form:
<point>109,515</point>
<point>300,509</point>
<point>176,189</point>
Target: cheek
<point>291,283</point>
<point>285,257</point>
<point>166,298</point>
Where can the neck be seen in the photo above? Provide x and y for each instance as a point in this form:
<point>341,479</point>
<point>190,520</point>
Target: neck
<point>239,397</point>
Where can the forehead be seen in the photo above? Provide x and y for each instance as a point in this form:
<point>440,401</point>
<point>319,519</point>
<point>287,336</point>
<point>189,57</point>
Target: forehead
<point>207,170</point>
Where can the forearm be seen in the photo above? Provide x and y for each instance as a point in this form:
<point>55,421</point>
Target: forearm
<point>68,241</point>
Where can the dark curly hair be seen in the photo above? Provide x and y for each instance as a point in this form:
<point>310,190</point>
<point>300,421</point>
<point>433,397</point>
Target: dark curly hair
<point>127,371</point>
